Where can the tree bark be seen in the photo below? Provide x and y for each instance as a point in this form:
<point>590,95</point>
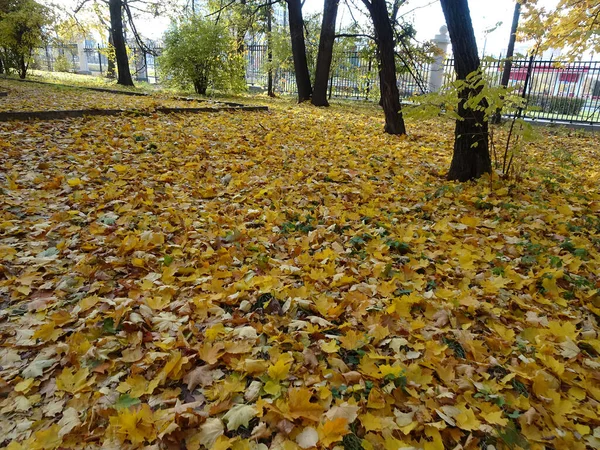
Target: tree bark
<point>270,92</point>
<point>510,51</point>
<point>116,25</point>
<point>299,50</point>
<point>471,157</point>
<point>1,65</point>
<point>110,70</point>
<point>325,55</point>
<point>384,37</point>
<point>22,67</point>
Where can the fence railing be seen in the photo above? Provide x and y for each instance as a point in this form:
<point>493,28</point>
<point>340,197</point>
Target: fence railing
<point>557,90</point>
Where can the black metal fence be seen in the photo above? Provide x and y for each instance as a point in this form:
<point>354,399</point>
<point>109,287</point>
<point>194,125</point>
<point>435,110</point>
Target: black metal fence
<point>557,90</point>
<point>354,75</point>
<point>67,58</point>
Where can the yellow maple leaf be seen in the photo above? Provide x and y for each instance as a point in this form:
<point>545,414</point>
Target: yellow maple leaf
<point>332,431</point>
<point>371,422</point>
<point>280,370</point>
<point>73,382</point>
<point>134,425</point>
<point>210,353</point>
<point>300,406</point>
<point>467,420</point>
<point>47,439</point>
<point>353,340</point>
<point>495,418</point>
<point>330,347</point>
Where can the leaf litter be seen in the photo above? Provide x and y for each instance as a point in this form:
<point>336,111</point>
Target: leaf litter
<point>293,279</point>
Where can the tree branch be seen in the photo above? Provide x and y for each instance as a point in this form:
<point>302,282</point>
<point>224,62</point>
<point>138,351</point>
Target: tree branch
<point>351,35</point>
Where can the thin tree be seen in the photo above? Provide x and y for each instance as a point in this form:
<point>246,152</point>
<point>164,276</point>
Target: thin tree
<point>384,38</point>
<point>270,91</point>
<point>509,55</point>
<point>299,50</point>
<point>325,54</point>
<point>471,157</point>
<point>116,27</point>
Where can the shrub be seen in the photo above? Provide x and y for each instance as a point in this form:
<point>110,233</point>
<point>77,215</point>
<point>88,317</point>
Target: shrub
<point>199,53</point>
<point>569,106</point>
<point>62,64</point>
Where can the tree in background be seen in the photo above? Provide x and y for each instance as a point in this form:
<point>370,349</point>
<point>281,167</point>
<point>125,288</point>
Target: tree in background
<point>121,13</point>
<point>471,157</point>
<point>201,53</point>
<point>573,25</point>
<point>23,27</point>
<point>325,55</point>
<point>386,45</point>
<point>299,50</point>
<point>115,8</point>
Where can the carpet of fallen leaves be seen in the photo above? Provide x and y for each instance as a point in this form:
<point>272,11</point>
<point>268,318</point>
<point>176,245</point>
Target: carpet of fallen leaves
<point>25,96</point>
<point>293,279</point>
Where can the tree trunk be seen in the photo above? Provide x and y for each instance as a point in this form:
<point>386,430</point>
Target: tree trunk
<point>299,50</point>
<point>22,67</point>
<point>270,51</point>
<point>110,70</point>
<point>1,65</point>
<point>471,157</point>
<point>325,55</point>
<point>116,24</point>
<point>509,56</point>
<point>384,37</point>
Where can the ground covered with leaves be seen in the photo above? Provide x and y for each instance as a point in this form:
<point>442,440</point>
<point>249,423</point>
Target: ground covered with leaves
<point>25,96</point>
<point>293,279</point>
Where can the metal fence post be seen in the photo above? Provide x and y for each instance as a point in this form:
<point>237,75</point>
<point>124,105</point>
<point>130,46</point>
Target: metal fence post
<point>100,59</point>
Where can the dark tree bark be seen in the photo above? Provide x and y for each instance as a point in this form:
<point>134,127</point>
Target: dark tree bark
<point>510,51</point>
<point>384,37</point>
<point>299,50</point>
<point>471,157</point>
<point>1,66</point>
<point>110,70</point>
<point>22,67</point>
<point>325,55</point>
<point>116,25</point>
<point>270,51</point>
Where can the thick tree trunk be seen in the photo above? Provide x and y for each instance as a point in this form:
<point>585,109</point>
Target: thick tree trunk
<point>116,24</point>
<point>299,50</point>
<point>1,65</point>
<point>270,51</point>
<point>325,55</point>
<point>471,157</point>
<point>384,36</point>
<point>509,55</point>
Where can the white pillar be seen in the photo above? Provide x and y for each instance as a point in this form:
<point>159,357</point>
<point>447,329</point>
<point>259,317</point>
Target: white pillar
<point>83,62</point>
<point>436,72</point>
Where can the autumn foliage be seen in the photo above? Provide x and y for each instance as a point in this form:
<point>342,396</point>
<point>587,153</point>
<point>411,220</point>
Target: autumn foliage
<point>293,279</point>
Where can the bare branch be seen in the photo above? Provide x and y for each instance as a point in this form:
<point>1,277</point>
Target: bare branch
<point>221,9</point>
<point>351,35</point>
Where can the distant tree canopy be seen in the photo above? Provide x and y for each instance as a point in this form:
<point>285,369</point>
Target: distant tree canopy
<point>573,24</point>
<point>203,54</point>
<point>23,26</point>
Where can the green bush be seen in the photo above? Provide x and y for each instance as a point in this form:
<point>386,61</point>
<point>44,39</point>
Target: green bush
<point>62,64</point>
<point>201,54</point>
<point>569,106</point>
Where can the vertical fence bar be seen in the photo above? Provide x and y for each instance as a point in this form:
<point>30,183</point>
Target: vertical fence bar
<point>100,59</point>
